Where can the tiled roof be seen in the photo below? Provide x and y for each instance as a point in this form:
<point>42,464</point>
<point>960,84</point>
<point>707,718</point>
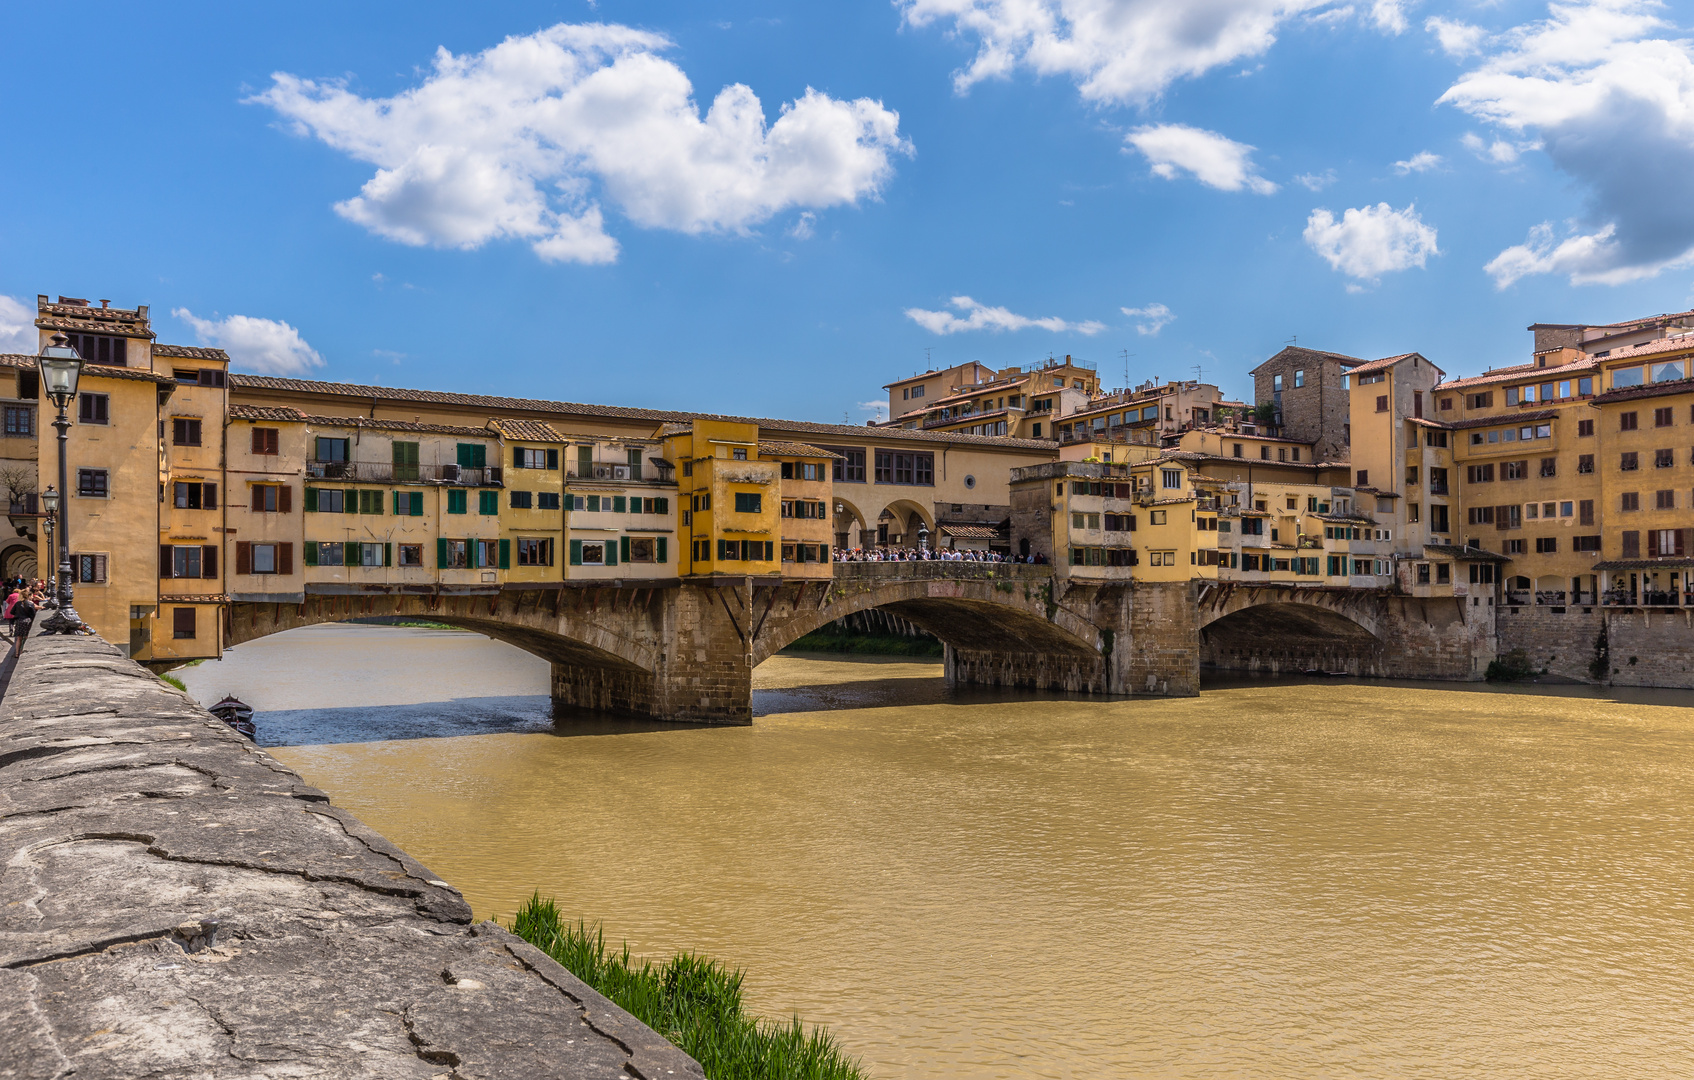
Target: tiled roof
<point>1630,393</point>
<point>193,598</point>
<point>1388,362</point>
<point>969,532</point>
<point>83,319</point>
<point>1644,321</point>
<point>266,412</point>
<point>397,425</point>
<point>1492,421</point>
<point>104,371</point>
<point>1343,357</point>
<point>616,412</point>
<point>1472,554</point>
<point>1644,564</point>
<point>525,430</point>
<point>1515,371</point>
<point>793,449</point>
<point>191,352</point>
<point>1650,348</point>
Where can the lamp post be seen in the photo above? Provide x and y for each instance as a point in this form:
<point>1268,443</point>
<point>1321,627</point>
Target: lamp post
<point>61,367</point>
<point>50,518</point>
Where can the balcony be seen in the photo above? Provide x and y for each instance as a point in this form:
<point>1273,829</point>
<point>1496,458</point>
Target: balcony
<point>1517,597</point>
<point>382,472</point>
<point>1437,489</point>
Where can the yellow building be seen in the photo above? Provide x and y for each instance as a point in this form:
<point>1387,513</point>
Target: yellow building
<point>805,492</point>
<point>730,499</point>
<point>265,466</point>
<point>621,521</point>
<point>971,399</point>
<point>532,521</point>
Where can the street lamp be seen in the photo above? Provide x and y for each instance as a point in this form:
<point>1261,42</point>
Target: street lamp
<point>61,367</point>
<point>50,518</point>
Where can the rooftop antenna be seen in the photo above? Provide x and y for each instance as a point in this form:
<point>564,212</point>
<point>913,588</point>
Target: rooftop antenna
<point>1199,373</point>
<point>927,362</point>
<point>1126,354</point>
<point>1295,340</point>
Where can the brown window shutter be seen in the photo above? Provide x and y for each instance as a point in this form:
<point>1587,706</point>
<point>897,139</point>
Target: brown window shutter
<point>165,565</point>
<point>1502,518</point>
<point>258,498</point>
<point>285,557</point>
<point>258,440</point>
<point>1631,544</point>
<point>1682,540</point>
<point>209,496</point>
<point>243,557</point>
<point>209,560</point>
<point>284,499</point>
<point>1585,510</point>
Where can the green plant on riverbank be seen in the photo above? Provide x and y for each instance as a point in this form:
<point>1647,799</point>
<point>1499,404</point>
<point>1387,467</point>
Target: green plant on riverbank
<point>693,1001</point>
<point>830,639</point>
<point>172,680</point>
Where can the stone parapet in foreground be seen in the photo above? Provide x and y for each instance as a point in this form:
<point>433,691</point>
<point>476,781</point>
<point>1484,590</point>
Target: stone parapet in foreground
<point>175,902</point>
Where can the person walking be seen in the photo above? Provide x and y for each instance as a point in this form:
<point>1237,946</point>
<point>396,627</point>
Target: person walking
<point>6,613</point>
<point>23,617</point>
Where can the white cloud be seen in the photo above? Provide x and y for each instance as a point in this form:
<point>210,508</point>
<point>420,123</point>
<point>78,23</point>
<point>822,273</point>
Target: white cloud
<point>877,409</point>
<point>1371,241</point>
<point>1498,152</point>
<point>1422,161</point>
<point>1389,15</point>
<point>1117,51</point>
<point>982,317</point>
<point>527,138</point>
<point>804,226</point>
<point>1609,97</point>
<point>1456,38</point>
<point>265,346</point>
<point>1158,316</point>
<point>1211,158</point>
<point>1316,181</point>
<point>17,327</point>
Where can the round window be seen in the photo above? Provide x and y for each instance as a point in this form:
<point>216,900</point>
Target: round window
<point>970,481</point>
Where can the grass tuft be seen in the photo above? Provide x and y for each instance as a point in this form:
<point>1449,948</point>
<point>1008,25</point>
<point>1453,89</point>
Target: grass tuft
<point>693,1001</point>
<point>174,681</point>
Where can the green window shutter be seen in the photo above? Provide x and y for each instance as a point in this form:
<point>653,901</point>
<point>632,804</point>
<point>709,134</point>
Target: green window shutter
<point>662,505</point>
<point>311,552</point>
<point>417,504</point>
<point>376,502</point>
<point>617,504</point>
<point>553,459</point>
<point>505,554</point>
<point>397,510</point>
<point>388,554</point>
<point>612,554</point>
<point>490,502</point>
<point>823,552</point>
<point>456,501</point>
<point>662,549</point>
<point>350,501</point>
<point>576,552</point>
<point>311,504</point>
<point>465,458</point>
<point>441,552</point>
<point>623,548</point>
<point>350,554</point>
<point>723,549</point>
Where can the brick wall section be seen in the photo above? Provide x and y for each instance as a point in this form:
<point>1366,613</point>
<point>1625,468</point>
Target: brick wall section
<point>1662,642</point>
<point>1316,412</point>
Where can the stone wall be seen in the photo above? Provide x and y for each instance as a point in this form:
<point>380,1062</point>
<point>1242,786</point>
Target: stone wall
<point>1660,643</point>
<point>175,902</point>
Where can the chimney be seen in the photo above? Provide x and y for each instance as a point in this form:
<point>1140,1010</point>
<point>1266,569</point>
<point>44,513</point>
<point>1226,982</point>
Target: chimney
<point>104,304</point>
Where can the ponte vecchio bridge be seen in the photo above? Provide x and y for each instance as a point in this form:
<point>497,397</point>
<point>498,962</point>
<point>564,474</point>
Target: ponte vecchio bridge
<point>686,651</point>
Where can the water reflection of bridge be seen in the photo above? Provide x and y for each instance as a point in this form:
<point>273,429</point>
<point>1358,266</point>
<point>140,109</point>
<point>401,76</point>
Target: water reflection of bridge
<point>686,649</point>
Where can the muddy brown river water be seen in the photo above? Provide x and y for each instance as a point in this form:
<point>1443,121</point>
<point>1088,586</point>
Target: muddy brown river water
<point>1339,878</point>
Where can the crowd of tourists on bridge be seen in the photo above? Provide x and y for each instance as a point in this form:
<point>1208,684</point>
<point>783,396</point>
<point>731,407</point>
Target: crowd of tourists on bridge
<point>930,555</point>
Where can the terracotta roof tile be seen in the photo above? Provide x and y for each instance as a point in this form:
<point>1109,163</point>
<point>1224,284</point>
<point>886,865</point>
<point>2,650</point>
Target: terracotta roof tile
<point>617,412</point>
<point>1630,393</point>
<point>1471,554</point>
<point>100,371</point>
<point>398,425</point>
<point>525,430</point>
<point>1388,362</point>
<point>793,449</point>
<point>266,412</point>
<point>1650,348</point>
<point>968,532</point>
<point>191,352</point>
<point>1502,421</point>
<point>1515,371</point>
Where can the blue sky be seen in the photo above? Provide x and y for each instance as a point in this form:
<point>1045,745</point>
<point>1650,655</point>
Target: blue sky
<point>548,209</point>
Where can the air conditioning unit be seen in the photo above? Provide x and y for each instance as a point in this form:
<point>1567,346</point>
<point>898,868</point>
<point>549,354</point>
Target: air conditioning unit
<point>620,472</point>
<point>602,472</point>
<point>450,472</point>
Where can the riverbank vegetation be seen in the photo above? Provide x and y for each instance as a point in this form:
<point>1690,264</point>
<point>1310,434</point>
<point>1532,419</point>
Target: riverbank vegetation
<point>875,632</point>
<point>693,1001</point>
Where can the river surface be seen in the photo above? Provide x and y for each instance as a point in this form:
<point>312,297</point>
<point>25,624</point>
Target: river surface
<point>1332,879</point>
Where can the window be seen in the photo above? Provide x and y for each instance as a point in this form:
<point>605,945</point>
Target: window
<point>1413,512</point>
<point>849,466</point>
<point>739,453</point>
<point>1666,542</point>
<point>1238,450</point>
<point>1514,470</point>
<point>405,455</point>
<point>1663,459</point>
<point>547,500</point>
<point>914,469</point>
<point>1171,479</point>
<point>20,421</point>
<point>1566,509</point>
<point>917,391</point>
<point>266,441</point>
<point>1382,403</point>
<point>1585,543</point>
<point>522,500</point>
<point>91,483</point>
<point>488,502</point>
<point>1299,378</point>
<point>1628,421</point>
<point>1662,417</point>
<point>193,495</point>
<point>456,501</point>
<point>1276,383</point>
<point>93,409</point>
<point>1514,547</point>
<point>472,456</point>
<point>411,555</point>
<point>1435,438</point>
<point>408,504</point>
<point>1630,461</point>
<point>1664,500</point>
<point>264,558</point>
<point>90,569</point>
<point>535,551</point>
<point>1481,515</point>
<point>182,623</point>
<point>323,553</point>
<point>453,554</point>
<point>524,457</point>
<point>1480,401</point>
<point>1630,500</point>
<point>1546,545</point>
<point>185,431</point>
<point>374,554</point>
<point>748,502</point>
<point>99,348</point>
<point>328,449</point>
<point>1585,463</point>
<point>640,549</point>
<point>188,561</point>
<point>1479,474</point>
<point>1631,544</point>
<point>1363,478</point>
<point>1549,466</point>
<point>1264,453</point>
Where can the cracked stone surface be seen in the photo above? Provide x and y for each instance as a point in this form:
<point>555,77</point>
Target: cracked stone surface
<point>176,903</point>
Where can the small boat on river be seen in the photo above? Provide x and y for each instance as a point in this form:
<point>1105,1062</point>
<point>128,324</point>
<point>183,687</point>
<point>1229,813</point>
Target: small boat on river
<point>237,714</point>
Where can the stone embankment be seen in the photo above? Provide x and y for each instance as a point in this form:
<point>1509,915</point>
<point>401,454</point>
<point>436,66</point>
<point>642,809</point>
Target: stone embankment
<point>176,903</point>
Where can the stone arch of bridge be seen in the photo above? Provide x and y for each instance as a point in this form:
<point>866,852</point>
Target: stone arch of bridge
<point>579,638</point>
<point>1278,619</point>
<point>968,615</point>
